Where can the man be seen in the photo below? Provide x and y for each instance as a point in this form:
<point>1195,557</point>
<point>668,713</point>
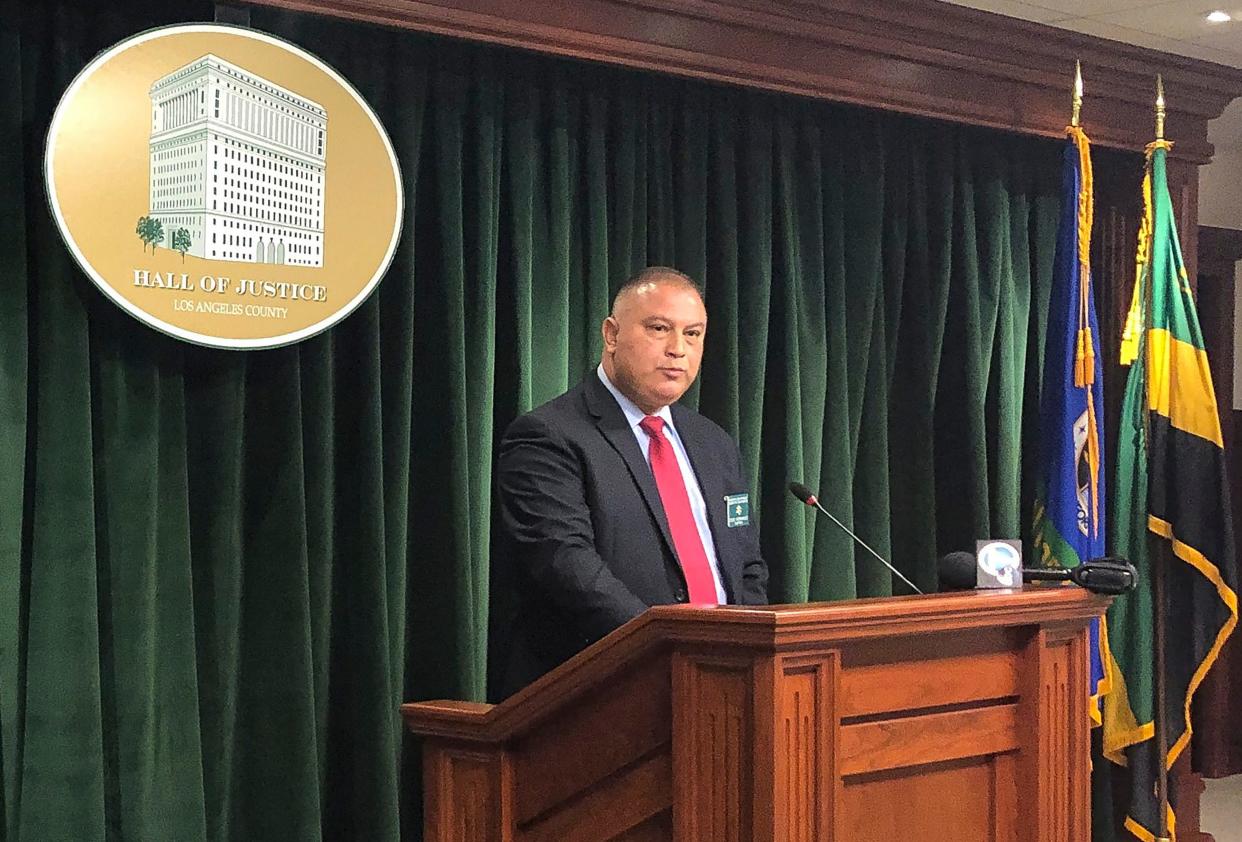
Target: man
<point>614,498</point>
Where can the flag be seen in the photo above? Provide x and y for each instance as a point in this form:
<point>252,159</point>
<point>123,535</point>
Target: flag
<point>1171,509</point>
<point>1070,502</point>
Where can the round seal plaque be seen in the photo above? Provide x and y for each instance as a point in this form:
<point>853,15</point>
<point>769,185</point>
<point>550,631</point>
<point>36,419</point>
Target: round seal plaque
<point>223,186</point>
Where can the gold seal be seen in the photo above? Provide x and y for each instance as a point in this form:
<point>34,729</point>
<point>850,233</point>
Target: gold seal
<point>223,186</point>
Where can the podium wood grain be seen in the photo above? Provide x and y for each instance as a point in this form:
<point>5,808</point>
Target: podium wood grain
<point>957,716</point>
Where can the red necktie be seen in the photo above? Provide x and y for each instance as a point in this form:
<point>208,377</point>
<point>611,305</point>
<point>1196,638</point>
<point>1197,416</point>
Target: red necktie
<point>700,583</point>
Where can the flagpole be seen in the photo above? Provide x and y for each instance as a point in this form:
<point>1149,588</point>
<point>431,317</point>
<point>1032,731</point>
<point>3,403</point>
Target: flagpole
<point>1160,111</point>
<point>1158,588</point>
<point>1077,112</point>
<point>1162,734</point>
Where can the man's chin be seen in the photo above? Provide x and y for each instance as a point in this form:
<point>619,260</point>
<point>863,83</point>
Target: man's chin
<point>669,396</point>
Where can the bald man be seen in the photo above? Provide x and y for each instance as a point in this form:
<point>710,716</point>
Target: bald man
<point>615,498</point>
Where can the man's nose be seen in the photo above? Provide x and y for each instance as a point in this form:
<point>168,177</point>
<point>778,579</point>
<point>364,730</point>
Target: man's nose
<point>676,346</point>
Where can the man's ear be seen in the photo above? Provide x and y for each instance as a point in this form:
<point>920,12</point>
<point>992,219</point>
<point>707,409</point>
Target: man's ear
<point>609,330</point>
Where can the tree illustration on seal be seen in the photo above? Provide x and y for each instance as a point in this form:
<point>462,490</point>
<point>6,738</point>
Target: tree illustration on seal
<point>151,231</point>
<point>181,242</point>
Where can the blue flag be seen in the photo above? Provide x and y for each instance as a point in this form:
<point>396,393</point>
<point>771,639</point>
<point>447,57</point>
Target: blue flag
<point>1069,509</point>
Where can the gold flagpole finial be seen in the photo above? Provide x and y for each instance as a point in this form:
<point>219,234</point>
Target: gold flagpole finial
<point>1159,107</point>
<point>1077,93</point>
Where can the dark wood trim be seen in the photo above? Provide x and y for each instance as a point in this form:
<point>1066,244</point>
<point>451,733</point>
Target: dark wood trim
<point>914,56</point>
<point>1188,790</point>
<point>1219,249</point>
<point>1217,744</point>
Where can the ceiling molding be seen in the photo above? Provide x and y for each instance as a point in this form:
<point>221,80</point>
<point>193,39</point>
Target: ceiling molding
<point>919,57</point>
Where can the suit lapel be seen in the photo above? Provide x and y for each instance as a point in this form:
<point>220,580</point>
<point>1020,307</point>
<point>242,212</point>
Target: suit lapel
<point>615,428</point>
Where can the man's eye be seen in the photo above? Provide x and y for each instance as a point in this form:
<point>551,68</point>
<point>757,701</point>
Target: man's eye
<point>694,334</point>
<point>659,328</point>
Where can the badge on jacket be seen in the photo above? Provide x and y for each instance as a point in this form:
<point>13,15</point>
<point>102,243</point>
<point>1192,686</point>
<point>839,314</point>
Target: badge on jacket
<point>737,509</point>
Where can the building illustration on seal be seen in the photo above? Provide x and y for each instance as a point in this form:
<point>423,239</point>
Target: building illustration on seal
<point>237,167</point>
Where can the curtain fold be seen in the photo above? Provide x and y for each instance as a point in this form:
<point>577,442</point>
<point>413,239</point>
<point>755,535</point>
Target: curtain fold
<point>221,572</point>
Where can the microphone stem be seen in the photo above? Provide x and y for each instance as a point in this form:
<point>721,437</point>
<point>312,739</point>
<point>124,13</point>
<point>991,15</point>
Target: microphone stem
<point>1040,574</point>
<point>865,546</point>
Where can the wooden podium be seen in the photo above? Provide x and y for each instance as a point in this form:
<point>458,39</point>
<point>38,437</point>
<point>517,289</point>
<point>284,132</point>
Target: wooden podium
<point>951,718</point>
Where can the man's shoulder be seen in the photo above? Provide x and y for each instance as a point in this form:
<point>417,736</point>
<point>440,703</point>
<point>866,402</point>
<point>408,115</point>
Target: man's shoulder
<point>563,413</point>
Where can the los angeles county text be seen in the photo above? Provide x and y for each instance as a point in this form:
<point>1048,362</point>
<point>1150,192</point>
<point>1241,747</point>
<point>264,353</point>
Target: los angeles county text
<point>245,287</point>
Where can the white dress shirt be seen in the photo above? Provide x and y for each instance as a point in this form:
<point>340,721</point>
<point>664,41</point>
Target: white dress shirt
<point>697,505</point>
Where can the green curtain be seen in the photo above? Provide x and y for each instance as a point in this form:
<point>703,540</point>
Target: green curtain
<point>221,572</point>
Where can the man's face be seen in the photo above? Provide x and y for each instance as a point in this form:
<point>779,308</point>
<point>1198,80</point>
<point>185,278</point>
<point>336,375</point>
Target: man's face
<point>653,343</point>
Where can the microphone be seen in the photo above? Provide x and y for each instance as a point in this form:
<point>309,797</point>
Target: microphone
<point>957,571</point>
<point>808,497</point>
<point>1106,575</point>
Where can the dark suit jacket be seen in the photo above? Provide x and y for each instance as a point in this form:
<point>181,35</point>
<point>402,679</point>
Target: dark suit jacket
<point>585,533</point>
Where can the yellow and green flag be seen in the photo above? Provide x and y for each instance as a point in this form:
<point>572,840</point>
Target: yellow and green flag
<point>1171,508</point>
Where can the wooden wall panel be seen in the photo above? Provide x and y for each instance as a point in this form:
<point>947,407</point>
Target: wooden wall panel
<point>1008,812</point>
<point>932,738</point>
<point>1218,740</point>
<point>713,746</point>
<point>466,795</point>
<point>914,56</point>
<point>805,763</point>
<point>658,828</point>
<point>911,685</point>
<point>629,798</point>
<point>957,801</point>
<point>1054,747</point>
<point>567,755</point>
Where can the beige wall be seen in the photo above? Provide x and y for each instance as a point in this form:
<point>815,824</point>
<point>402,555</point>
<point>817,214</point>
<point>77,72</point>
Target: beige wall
<point>1220,189</point>
<point>1220,182</point>
<point>1220,205</point>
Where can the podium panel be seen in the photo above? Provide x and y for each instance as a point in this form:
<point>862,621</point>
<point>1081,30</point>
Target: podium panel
<point>957,800</point>
<point>885,719</point>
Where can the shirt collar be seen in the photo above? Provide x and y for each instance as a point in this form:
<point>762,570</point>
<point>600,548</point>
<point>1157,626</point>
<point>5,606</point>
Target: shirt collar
<point>632,413</point>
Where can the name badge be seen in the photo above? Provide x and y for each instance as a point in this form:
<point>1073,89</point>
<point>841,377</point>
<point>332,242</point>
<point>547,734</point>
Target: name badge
<point>737,509</point>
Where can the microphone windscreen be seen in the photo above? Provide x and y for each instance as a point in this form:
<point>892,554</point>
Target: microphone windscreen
<point>800,491</point>
<point>957,571</point>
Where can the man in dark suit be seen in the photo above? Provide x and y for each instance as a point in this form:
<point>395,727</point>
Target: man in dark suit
<point>615,498</point>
